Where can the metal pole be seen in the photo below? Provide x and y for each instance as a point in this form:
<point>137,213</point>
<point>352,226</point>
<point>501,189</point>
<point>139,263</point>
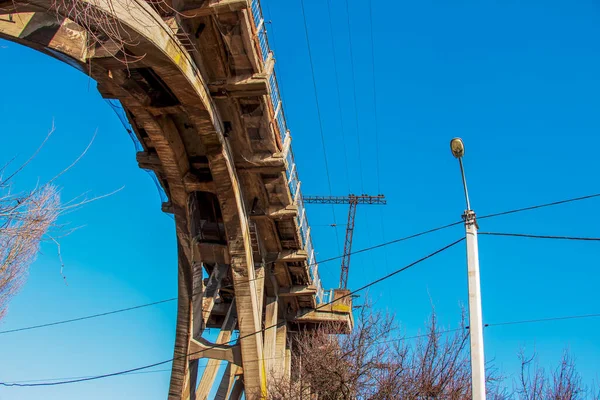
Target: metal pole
<point>475,318</point>
<point>464,180</point>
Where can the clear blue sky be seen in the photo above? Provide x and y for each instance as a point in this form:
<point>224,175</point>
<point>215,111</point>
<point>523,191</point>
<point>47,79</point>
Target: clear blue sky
<point>518,82</point>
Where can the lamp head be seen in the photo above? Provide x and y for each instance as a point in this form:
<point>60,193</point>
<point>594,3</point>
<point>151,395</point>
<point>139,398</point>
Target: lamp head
<point>458,147</point>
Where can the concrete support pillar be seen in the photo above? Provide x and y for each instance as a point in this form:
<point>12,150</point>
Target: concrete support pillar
<point>259,273</point>
<point>238,390</point>
<point>227,381</point>
<point>269,349</point>
<point>281,358</point>
<point>212,367</point>
<point>180,375</point>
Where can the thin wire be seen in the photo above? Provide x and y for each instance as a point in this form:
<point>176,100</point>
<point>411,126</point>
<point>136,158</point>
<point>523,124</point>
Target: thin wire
<point>506,323</point>
<point>362,186</point>
<point>86,378</point>
<point>79,377</point>
<point>314,80</point>
<point>390,242</point>
<point>351,293</point>
<point>339,96</point>
<point>460,222</point>
<point>376,126</point>
<point>374,99</point>
<point>240,338</point>
<point>420,260</point>
<point>88,317</point>
<point>533,321</point>
<point>525,235</point>
<point>385,251</point>
<point>360,251</point>
<point>540,206</point>
<point>420,336</point>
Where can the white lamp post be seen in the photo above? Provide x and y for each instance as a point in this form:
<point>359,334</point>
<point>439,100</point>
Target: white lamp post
<point>475,320</point>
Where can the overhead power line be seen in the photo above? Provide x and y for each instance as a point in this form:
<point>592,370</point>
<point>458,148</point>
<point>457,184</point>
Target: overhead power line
<point>339,96</point>
<point>555,203</point>
<point>505,323</point>
<point>362,186</point>
<point>314,81</point>
<point>88,316</point>
<point>549,319</point>
<point>375,125</point>
<point>498,214</point>
<point>144,367</point>
<point>354,252</point>
<point>175,298</point>
<point>79,377</point>
<point>383,278</point>
<point>517,322</point>
<point>402,239</point>
<point>135,370</point>
<point>526,235</point>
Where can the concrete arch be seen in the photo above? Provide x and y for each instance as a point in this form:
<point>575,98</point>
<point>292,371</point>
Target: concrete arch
<point>39,25</point>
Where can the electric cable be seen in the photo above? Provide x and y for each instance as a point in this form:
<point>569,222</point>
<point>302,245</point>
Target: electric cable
<point>376,126</point>
<point>555,203</point>
<point>498,214</point>
<point>360,164</point>
<point>88,316</point>
<point>240,338</point>
<point>356,252</point>
<point>339,96</point>
<point>134,370</point>
<point>505,323</point>
<point>314,81</point>
<point>525,235</point>
<point>79,377</point>
<point>533,321</point>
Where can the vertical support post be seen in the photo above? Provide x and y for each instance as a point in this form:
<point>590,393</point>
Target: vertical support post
<point>280,365</point>
<point>259,276</point>
<point>288,364</point>
<point>475,313</point>
<point>211,291</point>
<point>197,323</point>
<point>226,382</point>
<point>270,336</point>
<point>237,391</point>
<point>180,376</point>
<point>212,367</point>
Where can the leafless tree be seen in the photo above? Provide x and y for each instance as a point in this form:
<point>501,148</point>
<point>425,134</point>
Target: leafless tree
<point>27,218</point>
<point>373,363</point>
<point>564,383</point>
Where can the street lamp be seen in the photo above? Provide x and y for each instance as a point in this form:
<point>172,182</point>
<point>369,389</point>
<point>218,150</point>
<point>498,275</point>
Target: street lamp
<point>475,320</point>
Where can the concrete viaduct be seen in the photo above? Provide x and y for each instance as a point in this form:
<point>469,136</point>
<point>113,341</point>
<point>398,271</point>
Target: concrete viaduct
<point>196,80</point>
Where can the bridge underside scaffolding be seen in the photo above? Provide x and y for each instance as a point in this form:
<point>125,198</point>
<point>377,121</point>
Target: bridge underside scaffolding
<point>196,82</point>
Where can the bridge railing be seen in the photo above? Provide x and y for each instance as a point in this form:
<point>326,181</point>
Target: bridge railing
<point>291,172</point>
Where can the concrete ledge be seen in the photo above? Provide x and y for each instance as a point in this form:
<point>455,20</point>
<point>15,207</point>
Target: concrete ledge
<point>215,7</point>
<point>298,290</point>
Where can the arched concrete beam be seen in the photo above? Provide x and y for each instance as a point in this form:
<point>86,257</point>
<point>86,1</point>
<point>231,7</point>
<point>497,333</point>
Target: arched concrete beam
<point>163,52</point>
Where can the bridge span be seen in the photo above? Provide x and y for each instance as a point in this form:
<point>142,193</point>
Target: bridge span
<point>196,80</point>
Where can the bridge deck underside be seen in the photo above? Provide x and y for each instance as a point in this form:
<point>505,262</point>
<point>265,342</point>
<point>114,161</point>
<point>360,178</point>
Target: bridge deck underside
<point>197,90</point>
